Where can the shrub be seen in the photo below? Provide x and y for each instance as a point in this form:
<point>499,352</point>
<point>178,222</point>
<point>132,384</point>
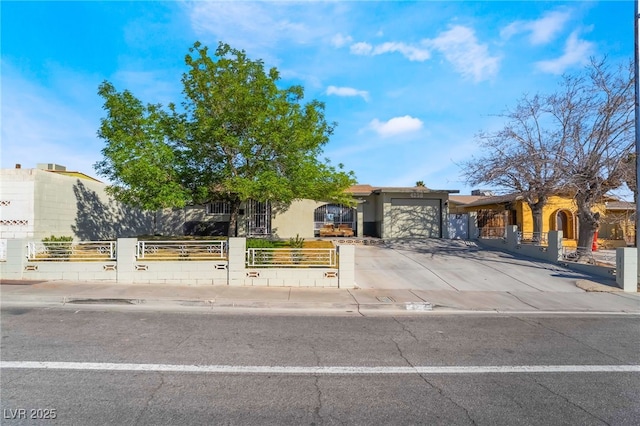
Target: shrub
<point>296,242</point>
<point>58,247</point>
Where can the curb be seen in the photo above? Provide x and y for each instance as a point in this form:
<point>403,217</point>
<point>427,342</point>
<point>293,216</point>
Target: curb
<point>68,301</point>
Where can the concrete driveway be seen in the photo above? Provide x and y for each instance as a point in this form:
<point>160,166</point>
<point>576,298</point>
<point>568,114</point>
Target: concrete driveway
<point>454,265</point>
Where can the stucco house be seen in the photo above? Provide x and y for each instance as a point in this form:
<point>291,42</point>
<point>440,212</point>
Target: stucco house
<point>491,213</point>
<point>379,212</point>
<point>49,200</point>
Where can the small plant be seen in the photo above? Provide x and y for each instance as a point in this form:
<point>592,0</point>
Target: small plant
<point>296,242</point>
<point>58,247</point>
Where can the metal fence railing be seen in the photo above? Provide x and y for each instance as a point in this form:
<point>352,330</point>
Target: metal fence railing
<point>72,250</point>
<point>488,232</point>
<point>584,254</point>
<point>292,257</point>
<point>534,238</point>
<point>181,250</point>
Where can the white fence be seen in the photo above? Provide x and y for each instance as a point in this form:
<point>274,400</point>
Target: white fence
<point>291,257</point>
<point>71,251</point>
<point>194,262</point>
<point>181,250</point>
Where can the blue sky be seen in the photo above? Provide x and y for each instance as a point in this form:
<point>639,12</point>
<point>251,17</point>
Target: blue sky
<point>409,83</point>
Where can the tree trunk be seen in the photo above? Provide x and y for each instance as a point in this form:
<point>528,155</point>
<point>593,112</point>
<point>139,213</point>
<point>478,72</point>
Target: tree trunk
<point>588,223</point>
<point>536,213</point>
<point>233,219</point>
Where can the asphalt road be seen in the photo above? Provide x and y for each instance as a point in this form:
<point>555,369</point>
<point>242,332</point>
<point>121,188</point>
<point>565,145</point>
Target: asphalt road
<point>192,368</point>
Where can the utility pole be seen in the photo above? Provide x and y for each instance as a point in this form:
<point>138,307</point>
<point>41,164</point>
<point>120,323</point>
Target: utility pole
<point>637,118</point>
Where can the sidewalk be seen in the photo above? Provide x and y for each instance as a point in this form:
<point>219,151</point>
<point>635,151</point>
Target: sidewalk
<point>598,299</point>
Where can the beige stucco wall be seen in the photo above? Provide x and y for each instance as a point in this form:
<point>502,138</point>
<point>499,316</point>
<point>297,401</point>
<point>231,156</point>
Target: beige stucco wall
<point>297,219</point>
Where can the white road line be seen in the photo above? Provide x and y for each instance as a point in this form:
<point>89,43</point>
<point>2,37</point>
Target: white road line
<point>250,369</point>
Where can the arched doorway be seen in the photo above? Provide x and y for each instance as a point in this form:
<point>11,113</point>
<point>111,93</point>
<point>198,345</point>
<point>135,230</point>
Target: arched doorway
<point>563,220</point>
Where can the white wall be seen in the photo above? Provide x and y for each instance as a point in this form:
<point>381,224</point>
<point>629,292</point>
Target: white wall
<point>17,215</point>
<point>61,205</point>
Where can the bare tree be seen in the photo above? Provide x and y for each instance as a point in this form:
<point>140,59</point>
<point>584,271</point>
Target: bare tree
<point>577,141</point>
<point>598,109</point>
<point>523,157</point>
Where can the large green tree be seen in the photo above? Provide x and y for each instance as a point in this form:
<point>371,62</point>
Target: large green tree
<point>236,136</point>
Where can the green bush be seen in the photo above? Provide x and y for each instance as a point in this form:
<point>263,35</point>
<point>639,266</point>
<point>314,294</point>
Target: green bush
<point>58,247</point>
<point>260,243</point>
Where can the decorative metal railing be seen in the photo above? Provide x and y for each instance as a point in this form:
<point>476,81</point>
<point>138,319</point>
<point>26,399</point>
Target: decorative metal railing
<point>534,238</point>
<point>291,257</point>
<point>584,254</point>
<point>72,250</point>
<point>182,250</point>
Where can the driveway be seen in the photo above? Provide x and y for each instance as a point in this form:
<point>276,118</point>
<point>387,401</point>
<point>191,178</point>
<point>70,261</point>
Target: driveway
<point>434,264</point>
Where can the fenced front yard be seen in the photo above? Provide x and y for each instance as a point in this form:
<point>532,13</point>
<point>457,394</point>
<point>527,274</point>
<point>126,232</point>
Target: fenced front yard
<point>188,262</point>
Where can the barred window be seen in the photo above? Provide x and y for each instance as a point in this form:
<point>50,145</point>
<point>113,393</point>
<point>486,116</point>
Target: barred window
<point>218,207</point>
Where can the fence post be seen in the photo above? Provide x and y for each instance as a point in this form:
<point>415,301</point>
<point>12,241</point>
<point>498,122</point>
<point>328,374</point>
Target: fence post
<point>554,246</point>
<point>627,269</point>
<point>346,266</point>
<point>126,258</point>
<point>512,236</point>
<point>13,267</point>
<point>474,231</point>
<point>237,258</point>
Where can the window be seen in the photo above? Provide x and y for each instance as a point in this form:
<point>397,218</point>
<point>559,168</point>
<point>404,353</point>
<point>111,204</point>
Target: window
<point>218,207</point>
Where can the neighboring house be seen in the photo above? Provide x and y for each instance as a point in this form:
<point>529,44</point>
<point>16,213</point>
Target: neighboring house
<point>49,200</point>
<point>490,214</point>
<point>618,226</point>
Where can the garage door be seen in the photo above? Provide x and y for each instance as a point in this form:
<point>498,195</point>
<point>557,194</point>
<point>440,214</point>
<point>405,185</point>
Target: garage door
<point>415,217</point>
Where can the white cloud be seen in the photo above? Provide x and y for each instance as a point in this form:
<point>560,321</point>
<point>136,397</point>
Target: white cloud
<point>340,40</point>
<point>542,30</point>
<point>259,26</point>
<point>396,126</point>
<point>361,48</point>
<point>410,52</point>
<point>461,48</point>
<point>347,91</point>
<point>576,52</point>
